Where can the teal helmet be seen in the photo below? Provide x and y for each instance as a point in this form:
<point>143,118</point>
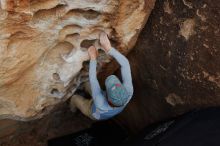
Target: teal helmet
<point>116,92</point>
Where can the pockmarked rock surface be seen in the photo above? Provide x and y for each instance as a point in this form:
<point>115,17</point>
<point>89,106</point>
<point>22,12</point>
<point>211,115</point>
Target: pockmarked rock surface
<point>43,45</point>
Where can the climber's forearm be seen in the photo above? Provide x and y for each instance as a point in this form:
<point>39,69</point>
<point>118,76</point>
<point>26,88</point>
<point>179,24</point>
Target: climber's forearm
<point>125,69</point>
<point>121,59</point>
<point>95,87</point>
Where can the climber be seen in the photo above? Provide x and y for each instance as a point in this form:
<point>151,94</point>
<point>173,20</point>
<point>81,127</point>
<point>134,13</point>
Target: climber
<point>105,104</point>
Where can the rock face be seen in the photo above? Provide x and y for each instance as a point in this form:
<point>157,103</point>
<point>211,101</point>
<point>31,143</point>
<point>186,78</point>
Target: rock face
<point>175,63</point>
<point>43,46</point>
<point>175,68</point>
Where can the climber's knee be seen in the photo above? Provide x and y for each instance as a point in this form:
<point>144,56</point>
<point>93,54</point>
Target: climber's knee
<point>83,104</point>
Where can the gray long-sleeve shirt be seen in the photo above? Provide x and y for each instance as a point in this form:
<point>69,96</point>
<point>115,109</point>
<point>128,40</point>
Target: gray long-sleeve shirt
<point>101,109</point>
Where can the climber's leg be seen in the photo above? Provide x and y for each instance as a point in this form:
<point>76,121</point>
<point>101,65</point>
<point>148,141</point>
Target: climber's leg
<point>83,104</point>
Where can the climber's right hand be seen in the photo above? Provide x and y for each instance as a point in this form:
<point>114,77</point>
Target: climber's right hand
<point>93,53</point>
<point>105,42</point>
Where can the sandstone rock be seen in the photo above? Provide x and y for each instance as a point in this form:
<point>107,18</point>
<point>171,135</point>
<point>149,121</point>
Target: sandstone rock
<point>42,47</point>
